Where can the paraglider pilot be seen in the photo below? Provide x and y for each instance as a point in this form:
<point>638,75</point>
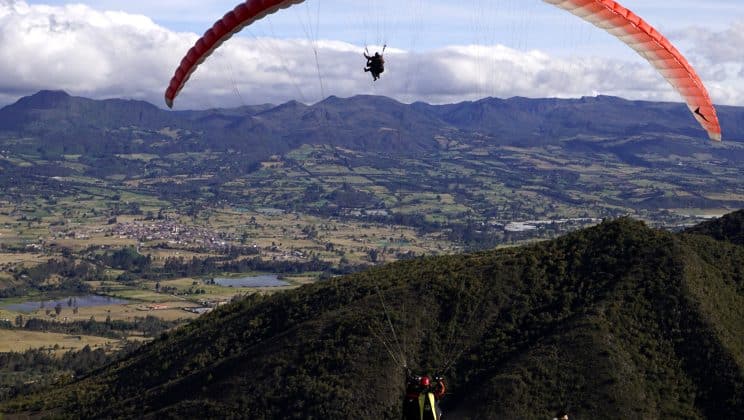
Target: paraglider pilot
<point>422,397</point>
<point>375,65</point>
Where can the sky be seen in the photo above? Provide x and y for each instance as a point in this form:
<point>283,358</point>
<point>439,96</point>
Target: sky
<point>439,51</point>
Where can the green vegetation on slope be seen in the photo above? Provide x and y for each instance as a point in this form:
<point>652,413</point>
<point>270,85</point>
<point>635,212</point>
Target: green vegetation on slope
<point>729,228</point>
<point>616,321</point>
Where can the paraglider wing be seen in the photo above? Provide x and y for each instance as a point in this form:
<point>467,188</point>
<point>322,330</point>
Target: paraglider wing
<point>606,14</point>
<point>241,16</point>
<point>654,47</point>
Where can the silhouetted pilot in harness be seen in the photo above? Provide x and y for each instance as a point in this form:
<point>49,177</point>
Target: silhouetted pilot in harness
<point>375,64</point>
<point>422,397</point>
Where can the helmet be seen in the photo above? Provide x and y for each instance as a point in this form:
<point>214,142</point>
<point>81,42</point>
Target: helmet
<point>425,381</point>
<point>377,54</point>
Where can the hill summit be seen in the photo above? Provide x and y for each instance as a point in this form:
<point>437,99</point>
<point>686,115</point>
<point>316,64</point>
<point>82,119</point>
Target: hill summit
<point>615,321</point>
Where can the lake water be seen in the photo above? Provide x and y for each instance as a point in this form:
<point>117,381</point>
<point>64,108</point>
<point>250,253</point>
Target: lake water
<point>79,301</point>
<point>266,280</point>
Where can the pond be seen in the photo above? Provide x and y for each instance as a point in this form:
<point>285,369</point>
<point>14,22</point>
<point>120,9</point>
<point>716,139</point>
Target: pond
<point>266,280</point>
<point>68,301</point>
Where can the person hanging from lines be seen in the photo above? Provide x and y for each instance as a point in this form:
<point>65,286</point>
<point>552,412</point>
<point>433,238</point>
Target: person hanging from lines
<point>422,397</point>
<point>375,63</point>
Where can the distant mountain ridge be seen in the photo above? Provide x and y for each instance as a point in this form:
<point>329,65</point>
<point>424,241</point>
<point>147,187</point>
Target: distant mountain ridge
<point>371,122</point>
<point>616,321</point>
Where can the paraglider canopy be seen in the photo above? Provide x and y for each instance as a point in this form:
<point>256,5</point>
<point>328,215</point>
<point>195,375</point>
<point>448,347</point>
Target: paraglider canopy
<point>606,14</point>
<point>654,47</point>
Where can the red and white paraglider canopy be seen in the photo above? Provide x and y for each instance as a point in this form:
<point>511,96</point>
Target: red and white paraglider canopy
<point>606,14</point>
<point>654,47</point>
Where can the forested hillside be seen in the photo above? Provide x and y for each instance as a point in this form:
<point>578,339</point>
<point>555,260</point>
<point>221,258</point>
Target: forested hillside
<point>616,321</point>
<point>729,228</point>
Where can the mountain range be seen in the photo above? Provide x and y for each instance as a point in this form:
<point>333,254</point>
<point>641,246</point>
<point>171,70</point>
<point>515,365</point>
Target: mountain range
<point>63,124</point>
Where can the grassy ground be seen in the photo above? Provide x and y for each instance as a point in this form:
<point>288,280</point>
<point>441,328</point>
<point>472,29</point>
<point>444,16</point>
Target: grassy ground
<point>18,341</point>
<point>126,312</point>
<point>24,258</point>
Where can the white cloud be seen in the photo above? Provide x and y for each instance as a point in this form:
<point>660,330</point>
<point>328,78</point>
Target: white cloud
<point>718,58</point>
<point>716,46</point>
<point>83,51</point>
<point>116,54</point>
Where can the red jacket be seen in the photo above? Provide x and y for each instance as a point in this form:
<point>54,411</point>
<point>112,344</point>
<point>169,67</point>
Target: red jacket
<point>414,389</point>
